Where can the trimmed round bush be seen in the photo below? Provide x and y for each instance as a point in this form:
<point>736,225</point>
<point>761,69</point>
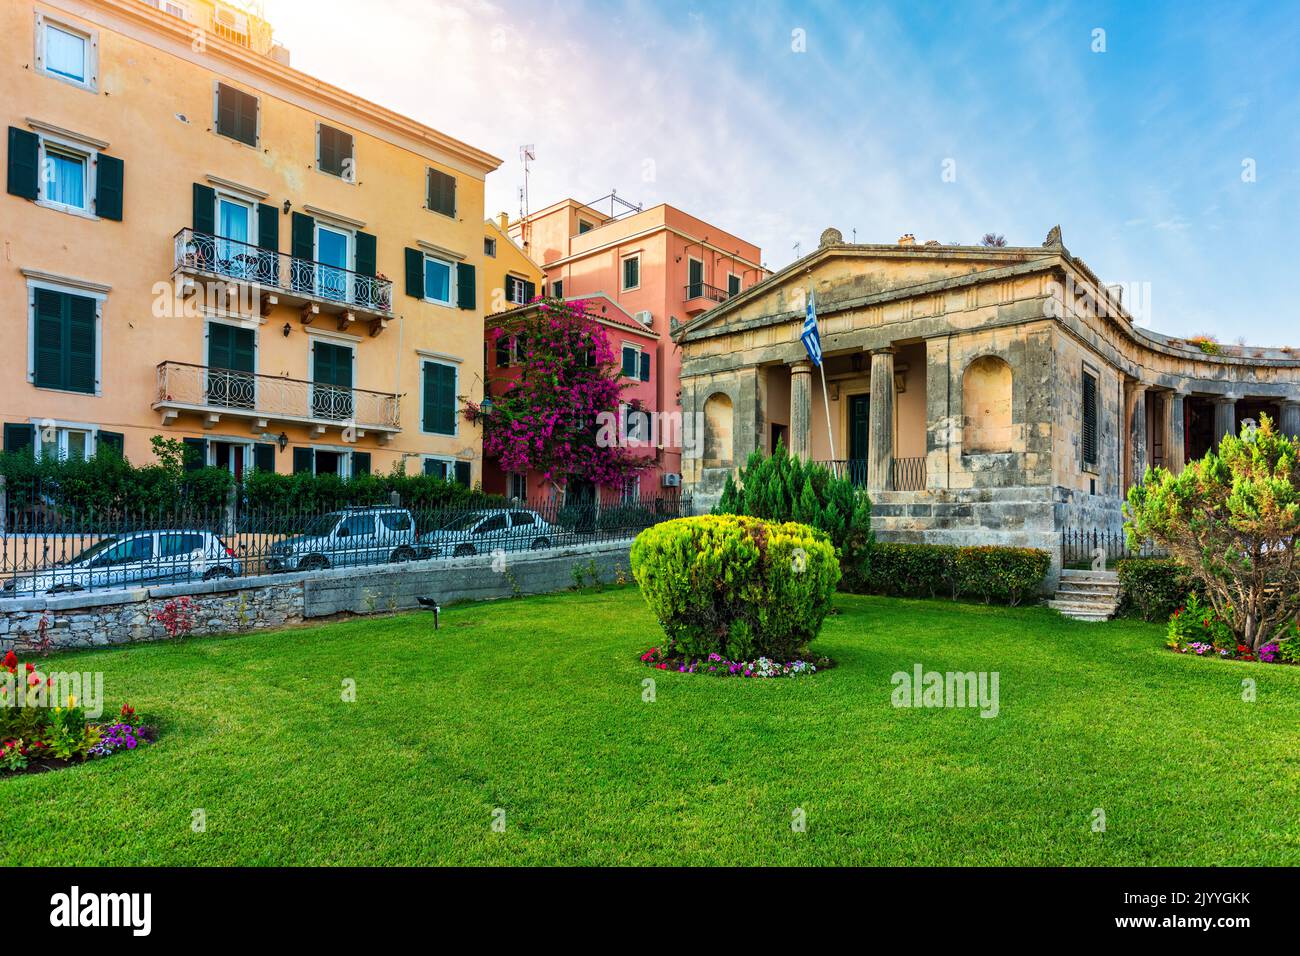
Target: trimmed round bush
<point>736,586</point>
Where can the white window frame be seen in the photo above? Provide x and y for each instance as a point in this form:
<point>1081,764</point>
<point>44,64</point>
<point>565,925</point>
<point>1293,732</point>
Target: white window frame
<point>89,291</point>
<point>216,114</point>
<point>90,165</point>
<point>622,272</point>
<point>61,430</point>
<point>349,174</point>
<point>345,457</point>
<point>255,325</point>
<point>522,479</point>
<point>448,465</point>
<point>349,255</point>
<point>635,496</point>
<point>453,293</point>
<point>639,352</point>
<point>162,5</point>
<point>520,290</point>
<point>244,444</point>
<point>90,62</point>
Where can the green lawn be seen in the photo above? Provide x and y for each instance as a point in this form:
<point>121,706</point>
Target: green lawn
<point>535,706</point>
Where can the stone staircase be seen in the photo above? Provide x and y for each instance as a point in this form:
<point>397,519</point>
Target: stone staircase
<point>1087,595</point>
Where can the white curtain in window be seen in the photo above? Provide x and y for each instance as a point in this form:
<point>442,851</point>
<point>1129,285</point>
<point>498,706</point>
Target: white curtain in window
<point>65,54</point>
<point>66,180</point>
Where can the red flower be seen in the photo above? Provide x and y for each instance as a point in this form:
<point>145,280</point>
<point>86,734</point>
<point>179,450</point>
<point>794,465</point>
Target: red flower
<point>11,660</point>
<point>30,667</point>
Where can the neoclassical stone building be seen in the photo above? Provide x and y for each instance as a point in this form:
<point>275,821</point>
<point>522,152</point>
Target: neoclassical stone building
<point>983,395</point>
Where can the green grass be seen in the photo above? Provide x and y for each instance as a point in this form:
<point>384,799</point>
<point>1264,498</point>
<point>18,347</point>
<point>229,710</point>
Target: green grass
<point>535,706</point>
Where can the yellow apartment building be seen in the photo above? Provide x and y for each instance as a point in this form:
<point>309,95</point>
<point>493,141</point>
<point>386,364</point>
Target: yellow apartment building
<point>200,242</point>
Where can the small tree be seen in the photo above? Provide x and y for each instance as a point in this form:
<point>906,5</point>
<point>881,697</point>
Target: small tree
<point>993,239</point>
<point>783,487</point>
<point>1232,519</point>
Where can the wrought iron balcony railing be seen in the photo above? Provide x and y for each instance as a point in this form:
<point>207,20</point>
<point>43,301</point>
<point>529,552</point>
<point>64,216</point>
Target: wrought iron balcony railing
<point>905,474</point>
<point>217,392</point>
<point>199,253</point>
<point>700,290</point>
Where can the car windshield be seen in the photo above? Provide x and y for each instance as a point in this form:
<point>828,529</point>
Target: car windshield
<point>92,551</point>
<point>463,523</point>
<point>321,525</point>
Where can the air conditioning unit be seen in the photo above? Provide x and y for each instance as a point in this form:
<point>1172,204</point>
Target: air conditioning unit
<point>672,480</point>
<point>645,317</point>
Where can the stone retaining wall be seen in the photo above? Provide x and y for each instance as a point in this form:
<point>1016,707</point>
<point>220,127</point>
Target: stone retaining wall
<point>244,604</point>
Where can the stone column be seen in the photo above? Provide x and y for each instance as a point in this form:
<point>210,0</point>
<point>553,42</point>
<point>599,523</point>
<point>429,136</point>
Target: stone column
<point>880,453</point>
<point>1225,417</point>
<point>1289,418</point>
<point>1137,432</point>
<point>801,409</point>
<point>1175,442</point>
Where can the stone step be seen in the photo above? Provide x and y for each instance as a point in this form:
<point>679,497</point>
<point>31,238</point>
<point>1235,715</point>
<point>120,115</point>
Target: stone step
<point>1084,610</point>
<point>1089,587</point>
<point>1108,577</point>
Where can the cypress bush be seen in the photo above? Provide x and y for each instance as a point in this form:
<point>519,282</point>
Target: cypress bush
<point>736,586</point>
<point>783,487</point>
<point>1156,587</point>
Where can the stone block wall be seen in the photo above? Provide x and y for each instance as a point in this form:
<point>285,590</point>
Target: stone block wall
<point>239,605</point>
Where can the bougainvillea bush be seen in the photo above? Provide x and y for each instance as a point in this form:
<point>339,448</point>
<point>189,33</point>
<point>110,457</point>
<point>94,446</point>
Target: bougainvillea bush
<point>738,587</point>
<point>37,733</point>
<point>546,418</point>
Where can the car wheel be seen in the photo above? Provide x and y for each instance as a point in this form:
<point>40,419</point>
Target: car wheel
<point>540,544</point>
<point>463,550</point>
<point>313,562</point>
<point>213,574</point>
<point>402,554</point>
<point>65,589</point>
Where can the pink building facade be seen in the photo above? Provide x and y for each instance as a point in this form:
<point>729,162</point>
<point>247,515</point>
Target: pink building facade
<point>658,268</point>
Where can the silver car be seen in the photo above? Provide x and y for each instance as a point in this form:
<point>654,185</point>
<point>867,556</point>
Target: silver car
<point>483,532</point>
<point>354,536</point>
<point>144,557</point>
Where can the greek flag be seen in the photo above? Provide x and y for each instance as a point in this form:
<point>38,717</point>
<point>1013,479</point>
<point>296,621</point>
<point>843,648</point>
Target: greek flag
<point>811,340</point>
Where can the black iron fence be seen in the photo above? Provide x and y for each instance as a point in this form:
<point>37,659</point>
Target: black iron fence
<point>48,551</point>
<point>907,474</point>
<point>1082,547</point>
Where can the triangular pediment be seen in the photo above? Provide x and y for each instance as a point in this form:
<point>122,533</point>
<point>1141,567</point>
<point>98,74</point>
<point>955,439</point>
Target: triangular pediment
<point>842,273</point>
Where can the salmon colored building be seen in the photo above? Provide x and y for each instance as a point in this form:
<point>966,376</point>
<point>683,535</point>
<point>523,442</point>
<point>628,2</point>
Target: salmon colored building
<point>658,267</point>
<point>201,242</point>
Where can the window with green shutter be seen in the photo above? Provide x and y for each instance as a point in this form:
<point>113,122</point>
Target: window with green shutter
<point>334,152</point>
<point>237,114</point>
<point>65,330</point>
<point>442,193</point>
<point>439,398</point>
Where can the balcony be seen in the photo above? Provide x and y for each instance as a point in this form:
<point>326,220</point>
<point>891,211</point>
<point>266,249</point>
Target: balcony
<point>275,278</point>
<point>217,393</point>
<point>701,296</point>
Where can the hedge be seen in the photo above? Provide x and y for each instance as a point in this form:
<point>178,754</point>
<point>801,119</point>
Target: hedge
<point>736,586</point>
<point>990,573</point>
<point>1156,587</point>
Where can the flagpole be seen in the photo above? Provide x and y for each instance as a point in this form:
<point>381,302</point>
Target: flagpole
<point>826,400</point>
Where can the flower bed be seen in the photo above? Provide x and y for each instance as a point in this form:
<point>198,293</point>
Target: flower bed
<point>718,666</point>
<point>35,736</point>
<point>1196,629</point>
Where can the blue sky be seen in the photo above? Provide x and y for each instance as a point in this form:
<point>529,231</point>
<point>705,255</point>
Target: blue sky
<point>1137,151</point>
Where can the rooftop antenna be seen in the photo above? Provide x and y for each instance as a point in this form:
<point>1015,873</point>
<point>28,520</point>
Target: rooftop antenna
<point>796,250</point>
<point>855,236</point>
<point>527,154</point>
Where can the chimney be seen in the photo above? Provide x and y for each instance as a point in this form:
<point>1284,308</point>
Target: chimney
<point>907,239</point>
<point>280,54</point>
<point>503,220</point>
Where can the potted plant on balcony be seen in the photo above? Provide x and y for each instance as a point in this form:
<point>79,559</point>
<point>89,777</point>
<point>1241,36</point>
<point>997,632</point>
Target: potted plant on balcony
<point>383,293</point>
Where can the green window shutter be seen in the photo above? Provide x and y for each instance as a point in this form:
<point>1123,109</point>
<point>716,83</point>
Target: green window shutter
<point>415,273</point>
<point>24,163</point>
<point>465,285</point>
<point>304,461</point>
<point>645,366</point>
<point>237,114</point>
<point>205,209</point>
<point>268,227</point>
<point>462,473</point>
<point>629,363</point>
<point>530,291</point>
<point>439,398</point>
<point>19,436</point>
<point>302,246</point>
<point>442,192</point>
<point>108,187</point>
<point>50,339</point>
<point>231,347</point>
<point>81,344</point>
<point>196,453</point>
<point>360,463</point>
<point>112,442</point>
<point>227,111</point>
<point>503,351</point>
<point>264,456</point>
<point>434,467</point>
<point>328,149</point>
<point>366,254</point>
<point>510,288</point>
